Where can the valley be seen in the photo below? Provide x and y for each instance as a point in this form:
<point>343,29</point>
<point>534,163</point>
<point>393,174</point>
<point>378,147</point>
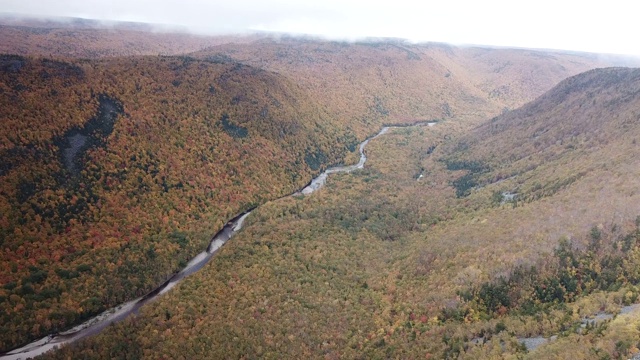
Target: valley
<point>507,223</point>
<point>392,258</point>
<point>98,323</point>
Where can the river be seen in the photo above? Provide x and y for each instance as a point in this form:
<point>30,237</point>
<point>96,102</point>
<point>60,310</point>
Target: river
<point>98,323</point>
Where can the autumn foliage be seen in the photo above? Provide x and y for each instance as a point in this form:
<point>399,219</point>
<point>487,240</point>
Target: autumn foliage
<point>117,166</point>
<point>167,149</point>
<point>384,263</point>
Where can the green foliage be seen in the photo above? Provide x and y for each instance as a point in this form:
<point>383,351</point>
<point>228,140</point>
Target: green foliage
<point>574,273</point>
<point>494,295</point>
<point>66,274</point>
<point>83,268</point>
<point>622,347</point>
<point>496,198</point>
<point>36,277</point>
<point>10,285</point>
<point>472,166</point>
<point>468,181</point>
<point>464,184</point>
<point>315,159</point>
<point>180,238</point>
<point>379,106</point>
<point>500,327</point>
<point>595,239</point>
<point>235,131</point>
<point>350,141</point>
<point>549,291</point>
<point>454,346</point>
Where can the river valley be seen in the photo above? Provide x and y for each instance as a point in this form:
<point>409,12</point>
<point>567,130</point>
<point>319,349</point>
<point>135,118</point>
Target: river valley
<point>98,323</point>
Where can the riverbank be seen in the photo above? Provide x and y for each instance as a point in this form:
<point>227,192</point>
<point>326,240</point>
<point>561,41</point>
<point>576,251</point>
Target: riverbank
<point>98,323</point>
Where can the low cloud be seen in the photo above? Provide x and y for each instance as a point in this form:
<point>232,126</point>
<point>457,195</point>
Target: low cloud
<point>596,26</point>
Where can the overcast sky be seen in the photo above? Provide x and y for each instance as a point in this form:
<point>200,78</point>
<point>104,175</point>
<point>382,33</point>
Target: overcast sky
<point>594,25</point>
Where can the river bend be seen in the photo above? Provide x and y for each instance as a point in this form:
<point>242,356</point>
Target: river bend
<point>98,323</point>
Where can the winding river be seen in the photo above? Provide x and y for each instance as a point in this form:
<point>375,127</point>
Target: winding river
<point>98,323</point>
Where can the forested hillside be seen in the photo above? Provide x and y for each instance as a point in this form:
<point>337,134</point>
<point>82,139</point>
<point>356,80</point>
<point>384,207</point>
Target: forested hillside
<point>363,83</point>
<point>488,248</point>
<point>117,165</point>
<point>83,38</point>
<point>404,81</point>
<point>116,172</point>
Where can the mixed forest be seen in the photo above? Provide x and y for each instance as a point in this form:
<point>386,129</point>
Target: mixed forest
<point>515,217</point>
<point>115,173</point>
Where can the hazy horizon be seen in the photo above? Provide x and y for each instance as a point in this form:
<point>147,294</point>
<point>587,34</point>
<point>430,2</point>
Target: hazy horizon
<point>542,25</point>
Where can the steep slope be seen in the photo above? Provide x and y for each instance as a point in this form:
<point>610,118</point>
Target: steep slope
<point>115,172</point>
<point>394,81</point>
<point>567,166</point>
<point>581,122</point>
<point>565,162</point>
<point>383,263</point>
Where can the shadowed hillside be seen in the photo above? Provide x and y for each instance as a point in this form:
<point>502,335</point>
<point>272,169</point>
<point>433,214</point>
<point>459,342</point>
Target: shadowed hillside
<point>116,172</point>
<point>385,263</point>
